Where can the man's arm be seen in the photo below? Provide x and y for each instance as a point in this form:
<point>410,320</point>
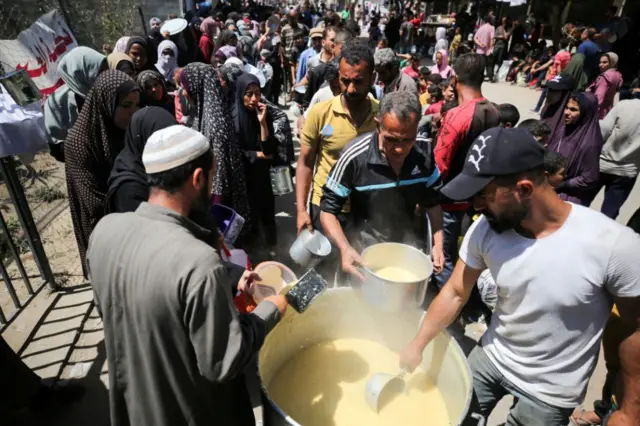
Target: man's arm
<point>223,341</point>
<point>309,142</point>
<point>443,311</point>
<point>623,282</point>
<point>608,123</point>
<point>334,195</point>
<point>629,350</point>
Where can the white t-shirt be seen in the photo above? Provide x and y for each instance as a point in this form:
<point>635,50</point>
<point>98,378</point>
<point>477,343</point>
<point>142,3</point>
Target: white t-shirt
<point>554,298</point>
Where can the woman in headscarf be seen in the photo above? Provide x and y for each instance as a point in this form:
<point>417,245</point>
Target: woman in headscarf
<point>558,92</point>
<point>92,146</point>
<point>128,185</point>
<point>606,84</point>
<point>153,91</point>
<point>78,69</point>
<point>168,61</point>
<point>139,52</point>
<point>257,142</point>
<point>212,118</point>
<point>576,70</point>
<point>227,38</point>
<point>442,65</point>
<point>121,44</point>
<point>560,62</point>
<point>121,62</point>
<point>580,141</point>
<point>209,28</point>
<point>441,41</point>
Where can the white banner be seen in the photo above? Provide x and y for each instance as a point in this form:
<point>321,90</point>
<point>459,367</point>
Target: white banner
<point>38,50</point>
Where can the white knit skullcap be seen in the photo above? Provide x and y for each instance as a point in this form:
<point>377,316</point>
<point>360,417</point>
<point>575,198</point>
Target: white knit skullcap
<point>172,147</point>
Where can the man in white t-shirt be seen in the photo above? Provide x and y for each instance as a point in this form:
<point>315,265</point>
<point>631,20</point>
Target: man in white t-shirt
<point>557,266</point>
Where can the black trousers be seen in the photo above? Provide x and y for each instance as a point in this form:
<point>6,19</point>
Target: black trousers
<point>488,65</point>
<point>261,201</point>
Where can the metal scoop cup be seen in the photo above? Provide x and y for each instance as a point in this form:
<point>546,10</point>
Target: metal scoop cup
<point>380,383</point>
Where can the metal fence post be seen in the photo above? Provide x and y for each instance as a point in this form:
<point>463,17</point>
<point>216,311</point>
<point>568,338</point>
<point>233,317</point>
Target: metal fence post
<point>8,169</point>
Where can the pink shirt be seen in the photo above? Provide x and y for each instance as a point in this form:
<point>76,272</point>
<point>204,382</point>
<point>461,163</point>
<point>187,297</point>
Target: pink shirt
<point>484,35</point>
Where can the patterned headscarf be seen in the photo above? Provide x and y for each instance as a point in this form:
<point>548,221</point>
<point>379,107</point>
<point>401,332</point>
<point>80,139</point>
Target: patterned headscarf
<point>145,79</point>
<point>213,119</point>
<point>90,151</point>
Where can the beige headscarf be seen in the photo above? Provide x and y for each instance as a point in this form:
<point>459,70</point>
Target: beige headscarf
<point>613,59</point>
<point>115,58</point>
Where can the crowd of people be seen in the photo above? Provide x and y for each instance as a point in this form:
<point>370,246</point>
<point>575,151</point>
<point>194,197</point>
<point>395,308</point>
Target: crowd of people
<point>161,127</point>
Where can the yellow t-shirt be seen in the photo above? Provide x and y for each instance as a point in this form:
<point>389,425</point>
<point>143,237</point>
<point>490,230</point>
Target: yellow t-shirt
<point>424,99</point>
<point>327,130</point>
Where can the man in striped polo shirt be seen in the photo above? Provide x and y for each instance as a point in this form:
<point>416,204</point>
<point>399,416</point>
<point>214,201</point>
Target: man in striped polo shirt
<point>388,175</point>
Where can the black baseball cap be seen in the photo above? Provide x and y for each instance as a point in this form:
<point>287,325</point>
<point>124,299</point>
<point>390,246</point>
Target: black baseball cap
<point>496,152</point>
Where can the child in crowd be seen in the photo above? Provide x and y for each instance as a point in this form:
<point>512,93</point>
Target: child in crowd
<point>555,166</point>
<point>539,129</point>
<point>509,115</point>
<point>436,100</point>
<point>425,72</point>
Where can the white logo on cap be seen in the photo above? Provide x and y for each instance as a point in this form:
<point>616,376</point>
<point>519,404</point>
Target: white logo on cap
<point>475,147</point>
<point>557,79</point>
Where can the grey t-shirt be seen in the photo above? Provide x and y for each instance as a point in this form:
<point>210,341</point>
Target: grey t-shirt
<point>554,299</point>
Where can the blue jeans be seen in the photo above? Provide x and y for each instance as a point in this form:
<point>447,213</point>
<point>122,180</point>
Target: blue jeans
<point>490,386</point>
<point>452,228</point>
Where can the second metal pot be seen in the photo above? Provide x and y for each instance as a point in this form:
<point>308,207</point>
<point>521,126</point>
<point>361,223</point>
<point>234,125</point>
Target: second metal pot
<point>395,295</point>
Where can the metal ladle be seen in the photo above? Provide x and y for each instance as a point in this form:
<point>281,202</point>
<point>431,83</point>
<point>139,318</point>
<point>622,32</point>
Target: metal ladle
<point>379,382</point>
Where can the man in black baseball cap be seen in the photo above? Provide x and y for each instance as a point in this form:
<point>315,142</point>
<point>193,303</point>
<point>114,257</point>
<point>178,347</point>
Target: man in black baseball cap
<point>557,267</point>
<point>496,159</point>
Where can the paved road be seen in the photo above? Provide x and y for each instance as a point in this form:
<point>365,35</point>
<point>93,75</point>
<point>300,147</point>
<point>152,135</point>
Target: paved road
<point>524,99</point>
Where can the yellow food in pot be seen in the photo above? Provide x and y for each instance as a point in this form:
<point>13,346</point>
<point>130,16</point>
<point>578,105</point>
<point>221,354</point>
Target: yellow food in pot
<point>324,385</point>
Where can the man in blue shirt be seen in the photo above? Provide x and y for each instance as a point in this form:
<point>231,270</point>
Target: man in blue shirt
<point>591,52</point>
<point>316,45</point>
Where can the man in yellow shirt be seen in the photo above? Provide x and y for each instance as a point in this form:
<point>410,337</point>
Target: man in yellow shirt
<point>330,126</point>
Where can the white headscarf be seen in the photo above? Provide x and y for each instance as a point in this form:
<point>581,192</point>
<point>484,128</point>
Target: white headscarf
<point>121,44</point>
<point>166,64</point>
<point>441,41</point>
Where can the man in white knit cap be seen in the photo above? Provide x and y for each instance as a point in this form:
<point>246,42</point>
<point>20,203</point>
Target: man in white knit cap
<point>176,346</point>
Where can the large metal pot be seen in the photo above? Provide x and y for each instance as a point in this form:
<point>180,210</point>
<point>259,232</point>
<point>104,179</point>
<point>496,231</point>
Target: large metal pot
<point>395,296</point>
<point>341,313</point>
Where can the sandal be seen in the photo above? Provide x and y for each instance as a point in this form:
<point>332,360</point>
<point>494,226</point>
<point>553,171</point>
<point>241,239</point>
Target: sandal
<point>581,417</point>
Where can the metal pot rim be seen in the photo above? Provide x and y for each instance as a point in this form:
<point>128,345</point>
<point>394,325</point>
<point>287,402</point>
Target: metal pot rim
<point>404,247</point>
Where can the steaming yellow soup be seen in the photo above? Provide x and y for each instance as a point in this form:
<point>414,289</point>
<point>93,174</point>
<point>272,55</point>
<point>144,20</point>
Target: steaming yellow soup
<point>393,273</point>
<point>324,385</point>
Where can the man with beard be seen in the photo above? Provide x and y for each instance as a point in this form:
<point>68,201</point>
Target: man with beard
<point>176,346</point>
<point>558,266</point>
<point>329,127</point>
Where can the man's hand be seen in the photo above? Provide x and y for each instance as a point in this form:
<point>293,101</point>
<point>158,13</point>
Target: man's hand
<point>411,356</point>
<point>280,301</point>
<point>262,156</point>
<point>350,262</point>
<point>437,254</point>
<point>304,221</point>
<point>246,281</point>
